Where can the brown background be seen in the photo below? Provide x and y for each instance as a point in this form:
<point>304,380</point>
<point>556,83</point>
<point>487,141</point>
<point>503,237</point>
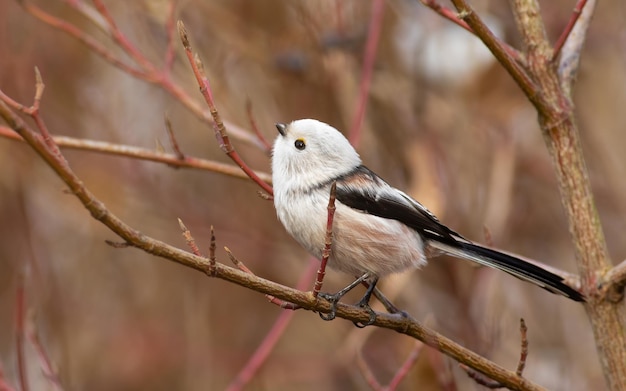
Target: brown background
<point>458,137</point>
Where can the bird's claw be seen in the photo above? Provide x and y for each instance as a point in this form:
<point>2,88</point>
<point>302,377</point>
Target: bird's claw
<point>332,299</point>
<point>372,314</point>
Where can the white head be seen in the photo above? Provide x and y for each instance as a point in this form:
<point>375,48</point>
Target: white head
<point>308,152</point>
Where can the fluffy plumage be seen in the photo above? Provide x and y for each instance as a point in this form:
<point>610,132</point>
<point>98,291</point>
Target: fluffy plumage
<point>377,228</point>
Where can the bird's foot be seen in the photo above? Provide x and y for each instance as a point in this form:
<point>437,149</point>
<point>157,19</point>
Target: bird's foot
<point>364,303</point>
<point>333,300</point>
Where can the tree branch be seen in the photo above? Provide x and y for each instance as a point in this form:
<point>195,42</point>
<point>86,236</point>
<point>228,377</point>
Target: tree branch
<point>170,159</point>
<point>560,131</point>
<point>568,28</point>
<point>218,126</point>
<point>133,237</point>
<point>145,71</point>
<point>496,47</point>
<point>569,53</point>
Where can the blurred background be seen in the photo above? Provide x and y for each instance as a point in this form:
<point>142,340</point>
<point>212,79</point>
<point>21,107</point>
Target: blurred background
<point>443,122</point>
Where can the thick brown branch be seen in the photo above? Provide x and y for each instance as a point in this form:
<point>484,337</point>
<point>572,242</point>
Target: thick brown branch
<point>562,137</point>
<point>401,324</point>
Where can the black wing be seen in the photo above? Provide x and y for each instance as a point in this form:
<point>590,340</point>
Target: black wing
<point>363,190</point>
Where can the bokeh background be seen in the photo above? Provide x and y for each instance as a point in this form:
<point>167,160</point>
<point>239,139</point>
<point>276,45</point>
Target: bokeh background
<point>443,121</point>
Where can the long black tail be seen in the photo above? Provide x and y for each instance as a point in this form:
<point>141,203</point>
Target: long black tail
<point>514,266</point>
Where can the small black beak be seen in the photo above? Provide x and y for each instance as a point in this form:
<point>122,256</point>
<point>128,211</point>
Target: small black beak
<point>281,128</point>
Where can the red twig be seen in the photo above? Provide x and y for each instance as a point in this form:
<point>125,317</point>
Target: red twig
<point>521,364</point>
<point>170,28</point>
<point>406,366</point>
<point>367,373</point>
<point>88,41</point>
<point>341,30</point>
<point>146,72</point>
<point>4,386</point>
<point>578,9</point>
<point>20,315</point>
<point>373,36</point>
<point>400,374</point>
<point>442,370</point>
<point>140,153</point>
<point>255,128</point>
<point>218,126</point>
<point>272,337</point>
<point>212,258</point>
<point>454,18</point>
<point>47,367</point>
<point>321,272</point>
<point>488,236</point>
<point>33,110</point>
<point>524,351</point>
<point>121,39</point>
<point>191,242</point>
<point>173,141</point>
<point>447,13</point>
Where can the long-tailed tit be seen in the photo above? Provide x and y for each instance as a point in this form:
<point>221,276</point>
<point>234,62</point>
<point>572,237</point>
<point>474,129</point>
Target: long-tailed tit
<point>377,229</point>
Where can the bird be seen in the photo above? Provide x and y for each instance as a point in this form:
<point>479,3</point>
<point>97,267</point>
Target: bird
<point>377,229</point>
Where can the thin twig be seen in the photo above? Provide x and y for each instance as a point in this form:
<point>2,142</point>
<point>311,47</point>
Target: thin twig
<point>218,126</point>
<point>170,27</point>
<point>403,371</point>
<point>85,39</point>
<point>264,349</point>
<point>371,47</point>
<point>328,241</point>
<point>4,386</point>
<point>191,242</point>
<point>89,12</point>
<point>173,141</point>
<point>20,316</point>
<point>255,127</point>
<point>367,373</point>
<point>505,58</point>
<point>212,258</point>
<point>578,9</point>
<point>142,153</point>
<point>403,324</point>
<point>150,74</point>
<point>47,368</point>
<point>569,53</point>
<point>488,236</point>
<point>122,41</point>
<point>521,364</point>
<point>400,374</point>
<point>454,18</point>
<point>447,13</point>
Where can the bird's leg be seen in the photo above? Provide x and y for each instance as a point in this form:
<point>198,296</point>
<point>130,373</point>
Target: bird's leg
<point>392,309</point>
<point>365,304</point>
<point>334,299</point>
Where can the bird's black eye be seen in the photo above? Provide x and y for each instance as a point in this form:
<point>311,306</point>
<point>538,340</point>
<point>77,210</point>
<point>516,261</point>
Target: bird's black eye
<point>299,144</point>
